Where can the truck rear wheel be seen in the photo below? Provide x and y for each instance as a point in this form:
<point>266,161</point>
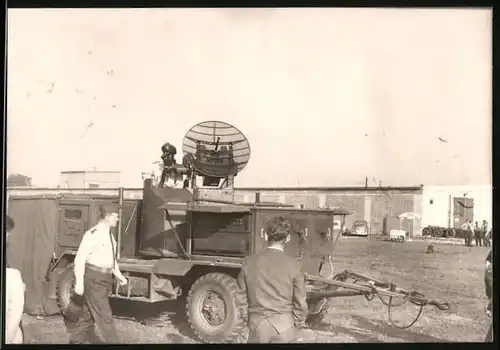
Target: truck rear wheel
<point>65,287</point>
<point>211,309</point>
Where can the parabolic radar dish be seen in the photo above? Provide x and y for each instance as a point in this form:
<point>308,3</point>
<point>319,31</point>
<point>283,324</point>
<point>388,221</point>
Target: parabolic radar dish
<point>216,149</point>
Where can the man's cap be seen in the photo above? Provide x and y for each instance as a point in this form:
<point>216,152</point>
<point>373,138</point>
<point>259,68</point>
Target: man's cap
<point>9,223</point>
<point>109,208</point>
<point>278,228</point>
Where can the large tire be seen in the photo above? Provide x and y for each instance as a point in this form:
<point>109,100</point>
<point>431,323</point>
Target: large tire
<point>437,232</point>
<point>211,309</point>
<point>426,231</point>
<point>65,287</point>
<point>450,233</point>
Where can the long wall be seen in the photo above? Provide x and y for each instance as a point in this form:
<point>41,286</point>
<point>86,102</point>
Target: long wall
<point>370,204</point>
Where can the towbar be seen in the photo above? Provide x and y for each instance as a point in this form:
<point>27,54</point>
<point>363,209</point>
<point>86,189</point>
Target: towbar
<point>337,287</point>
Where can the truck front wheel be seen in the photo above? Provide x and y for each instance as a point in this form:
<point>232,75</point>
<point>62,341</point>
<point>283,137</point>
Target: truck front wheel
<point>65,287</point>
<point>211,309</point>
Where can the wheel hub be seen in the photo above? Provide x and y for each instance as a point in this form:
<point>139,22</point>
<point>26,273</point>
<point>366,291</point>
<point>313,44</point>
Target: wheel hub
<point>213,309</point>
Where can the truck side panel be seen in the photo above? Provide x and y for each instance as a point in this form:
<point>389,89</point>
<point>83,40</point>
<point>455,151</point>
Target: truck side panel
<point>227,234</point>
<point>130,228</point>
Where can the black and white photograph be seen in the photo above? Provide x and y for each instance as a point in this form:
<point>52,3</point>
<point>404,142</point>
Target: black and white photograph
<point>248,175</point>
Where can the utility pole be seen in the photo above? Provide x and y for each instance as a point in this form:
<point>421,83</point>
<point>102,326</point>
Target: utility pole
<point>366,182</point>
<point>449,211</point>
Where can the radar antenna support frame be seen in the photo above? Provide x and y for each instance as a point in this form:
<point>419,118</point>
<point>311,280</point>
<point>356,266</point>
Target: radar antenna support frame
<point>216,152</point>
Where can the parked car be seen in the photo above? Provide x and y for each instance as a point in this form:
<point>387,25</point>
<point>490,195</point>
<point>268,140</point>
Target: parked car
<point>359,228</point>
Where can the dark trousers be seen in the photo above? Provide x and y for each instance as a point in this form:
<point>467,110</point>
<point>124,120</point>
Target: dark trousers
<point>266,332</point>
<point>479,241</point>
<point>468,239</point>
<point>164,174</point>
<point>96,311</point>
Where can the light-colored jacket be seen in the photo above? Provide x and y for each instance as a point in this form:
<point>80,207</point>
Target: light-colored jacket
<point>14,305</point>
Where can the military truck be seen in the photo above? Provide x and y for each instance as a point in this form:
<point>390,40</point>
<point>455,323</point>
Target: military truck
<point>189,243</point>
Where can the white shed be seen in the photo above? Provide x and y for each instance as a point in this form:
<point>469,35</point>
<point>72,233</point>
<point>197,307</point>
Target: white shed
<point>443,204</point>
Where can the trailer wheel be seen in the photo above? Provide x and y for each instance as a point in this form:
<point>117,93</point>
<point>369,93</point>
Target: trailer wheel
<point>450,233</point>
<point>436,232</point>
<point>211,309</point>
<point>426,231</point>
<point>65,287</point>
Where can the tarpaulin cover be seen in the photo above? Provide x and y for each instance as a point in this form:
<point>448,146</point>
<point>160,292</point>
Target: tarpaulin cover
<point>30,247</point>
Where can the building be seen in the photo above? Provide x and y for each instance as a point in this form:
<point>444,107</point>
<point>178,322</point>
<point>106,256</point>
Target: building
<point>89,179</point>
<point>448,206</point>
<point>379,206</point>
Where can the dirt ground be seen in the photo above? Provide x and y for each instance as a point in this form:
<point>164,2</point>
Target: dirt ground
<point>453,273</point>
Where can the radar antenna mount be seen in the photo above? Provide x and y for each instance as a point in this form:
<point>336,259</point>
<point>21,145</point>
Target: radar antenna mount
<point>215,152</point>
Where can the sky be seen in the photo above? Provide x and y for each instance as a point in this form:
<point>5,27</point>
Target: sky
<point>326,97</point>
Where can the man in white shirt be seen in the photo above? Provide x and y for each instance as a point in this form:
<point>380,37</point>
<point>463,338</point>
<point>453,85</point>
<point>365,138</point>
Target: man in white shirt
<point>95,266</point>
<point>14,305</point>
<point>469,232</point>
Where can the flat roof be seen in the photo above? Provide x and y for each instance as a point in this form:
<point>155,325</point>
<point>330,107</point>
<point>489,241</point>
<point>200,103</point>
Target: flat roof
<point>250,189</point>
<point>89,171</point>
<point>333,189</point>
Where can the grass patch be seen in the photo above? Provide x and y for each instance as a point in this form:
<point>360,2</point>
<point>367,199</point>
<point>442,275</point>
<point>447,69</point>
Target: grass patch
<point>454,273</point>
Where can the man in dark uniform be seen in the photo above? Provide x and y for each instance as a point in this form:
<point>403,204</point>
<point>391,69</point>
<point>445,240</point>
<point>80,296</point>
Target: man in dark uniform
<point>95,265</point>
<point>477,235</point>
<point>484,232</point>
<point>272,290</point>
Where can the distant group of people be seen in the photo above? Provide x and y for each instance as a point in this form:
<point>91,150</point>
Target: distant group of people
<point>480,234</point>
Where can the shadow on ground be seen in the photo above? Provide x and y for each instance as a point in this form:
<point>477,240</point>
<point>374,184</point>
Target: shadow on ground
<point>161,315</point>
<point>167,316</point>
<point>385,329</point>
<point>373,331</point>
